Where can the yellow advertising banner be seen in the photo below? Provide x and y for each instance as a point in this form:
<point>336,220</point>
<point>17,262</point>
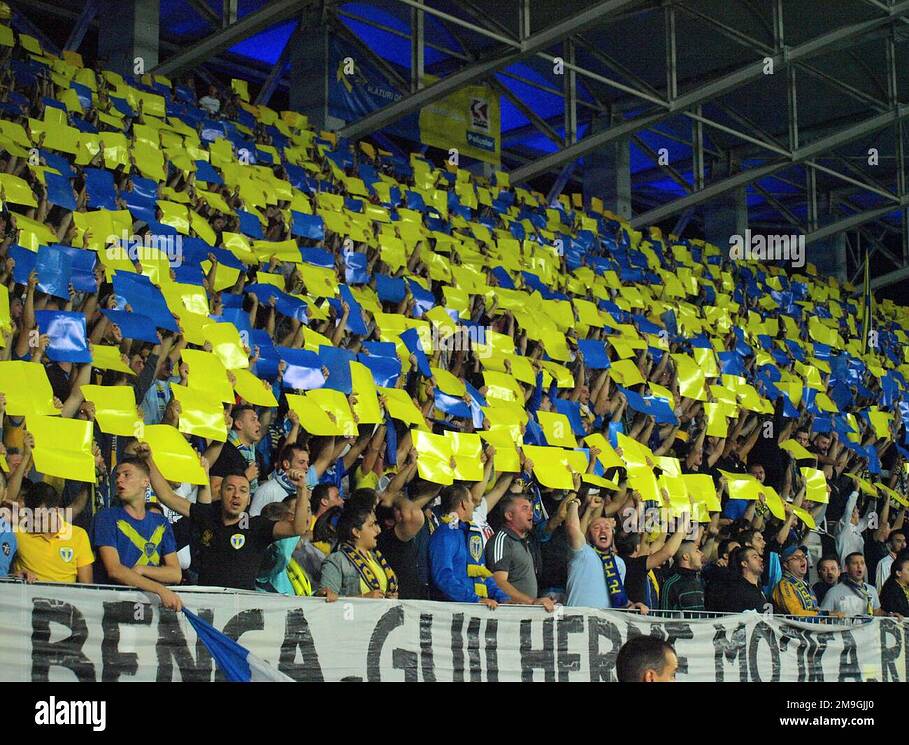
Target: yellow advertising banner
<point>467,121</point>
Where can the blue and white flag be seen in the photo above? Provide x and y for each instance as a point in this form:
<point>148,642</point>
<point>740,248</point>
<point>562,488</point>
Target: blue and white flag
<point>238,664</point>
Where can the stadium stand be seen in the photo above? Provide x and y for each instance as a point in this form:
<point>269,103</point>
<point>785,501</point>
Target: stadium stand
<point>242,353</point>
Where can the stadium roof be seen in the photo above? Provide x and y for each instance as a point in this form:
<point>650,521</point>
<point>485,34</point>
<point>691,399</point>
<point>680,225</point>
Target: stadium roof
<point>689,77</point>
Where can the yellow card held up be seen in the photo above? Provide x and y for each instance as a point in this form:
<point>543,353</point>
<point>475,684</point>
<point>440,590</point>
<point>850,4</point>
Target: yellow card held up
<point>253,390</point>
<point>467,449</point>
<point>27,389</point>
<point>173,455</point>
<point>63,447</point>
<point>557,429</point>
<point>336,407</point>
<point>200,413</point>
<point>313,419</point>
<point>434,456</point>
<point>207,373</point>
<point>115,408</point>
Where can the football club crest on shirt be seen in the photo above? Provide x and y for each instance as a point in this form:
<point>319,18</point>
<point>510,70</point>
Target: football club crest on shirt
<point>150,549</point>
<point>237,540</point>
<point>476,547</point>
<point>66,553</point>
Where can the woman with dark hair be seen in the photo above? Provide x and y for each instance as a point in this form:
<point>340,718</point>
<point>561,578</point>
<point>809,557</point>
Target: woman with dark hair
<point>356,568</point>
<point>895,592</point>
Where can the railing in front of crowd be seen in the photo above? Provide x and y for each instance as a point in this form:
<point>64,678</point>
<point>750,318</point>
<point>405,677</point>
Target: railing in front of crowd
<point>688,615</point>
<point>702,615</point>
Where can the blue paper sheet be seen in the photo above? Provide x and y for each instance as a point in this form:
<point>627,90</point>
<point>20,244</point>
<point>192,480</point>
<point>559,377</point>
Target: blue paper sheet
<point>411,339</point>
<point>133,325</point>
<point>54,269</point>
<point>60,191</point>
<point>307,226</point>
<point>285,304</point>
<point>304,368</point>
<point>423,299</point>
<point>68,336</point>
<point>385,370</point>
<point>337,361</point>
<point>390,289</point>
<point>143,296</point>
<point>99,189</point>
<point>355,268</point>
<point>355,321</point>
<point>250,225</point>
<point>595,357</point>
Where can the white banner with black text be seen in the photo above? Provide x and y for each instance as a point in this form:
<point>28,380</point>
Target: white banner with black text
<point>67,633</point>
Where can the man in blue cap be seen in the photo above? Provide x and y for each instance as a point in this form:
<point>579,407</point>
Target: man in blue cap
<point>793,595</point>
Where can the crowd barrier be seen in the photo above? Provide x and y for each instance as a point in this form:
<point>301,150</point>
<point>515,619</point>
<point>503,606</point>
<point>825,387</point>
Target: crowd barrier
<point>96,633</point>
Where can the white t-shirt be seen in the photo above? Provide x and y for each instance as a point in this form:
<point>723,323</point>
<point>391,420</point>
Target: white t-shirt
<point>480,519</point>
<point>849,600</point>
<point>272,491</point>
<point>883,572</point>
<point>189,492</point>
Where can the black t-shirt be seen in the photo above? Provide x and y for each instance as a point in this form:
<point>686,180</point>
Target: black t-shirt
<point>229,555</point>
<point>893,599</point>
<point>874,552</point>
<point>554,557</point>
<point>740,596</point>
<point>230,461</point>
<point>409,560</point>
<point>821,589</point>
<point>636,578</point>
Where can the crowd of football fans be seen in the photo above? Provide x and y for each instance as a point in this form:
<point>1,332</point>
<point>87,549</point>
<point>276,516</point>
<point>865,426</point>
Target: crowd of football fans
<point>604,368</point>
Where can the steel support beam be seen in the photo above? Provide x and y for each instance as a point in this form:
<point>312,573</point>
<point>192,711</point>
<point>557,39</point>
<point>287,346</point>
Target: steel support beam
<point>901,187</point>
<point>274,77</point>
<point>268,15</point>
<point>523,20</point>
<point>597,13</point>
<point>655,158</point>
<point>77,34</point>
<point>570,84</point>
<point>204,10</point>
<point>535,119</point>
<point>417,48</point>
<point>811,175</point>
<point>890,278</point>
<point>561,182</point>
<point>672,81</point>
<point>713,89</point>
<point>850,222</point>
<point>790,216</point>
<point>682,222</point>
<point>807,152</point>
<point>697,150</point>
<point>228,12</point>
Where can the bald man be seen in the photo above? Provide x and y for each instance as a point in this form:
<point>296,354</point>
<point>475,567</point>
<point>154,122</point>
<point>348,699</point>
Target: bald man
<point>684,590</point>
